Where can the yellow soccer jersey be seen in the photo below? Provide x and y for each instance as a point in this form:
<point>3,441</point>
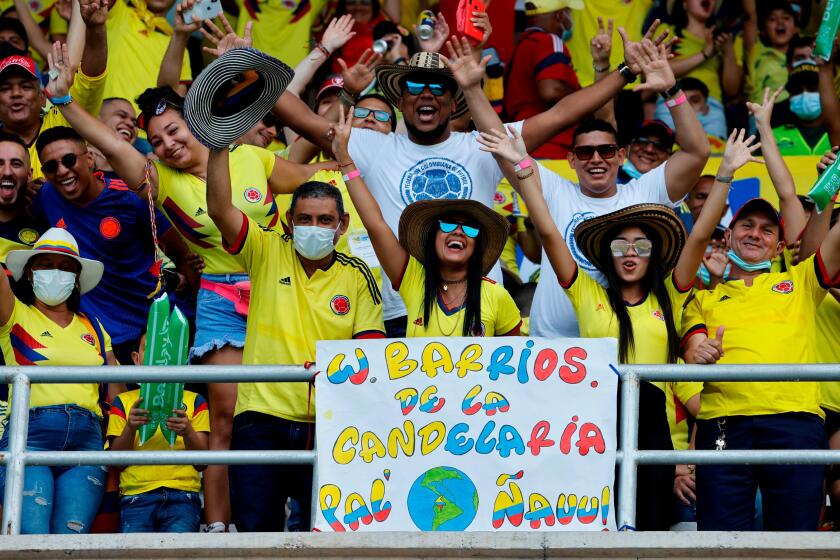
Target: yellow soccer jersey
<point>676,395</point>
<point>29,338</point>
<point>137,479</point>
<point>597,320</point>
<point>828,348</point>
<point>770,322</point>
<point>281,28</point>
<point>290,311</point>
<point>510,206</point>
<point>499,314</point>
<point>183,197</point>
<point>17,234</point>
<point>135,52</point>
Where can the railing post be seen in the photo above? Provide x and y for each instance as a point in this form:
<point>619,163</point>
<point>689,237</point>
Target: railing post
<point>627,475</point>
<point>19,428</point>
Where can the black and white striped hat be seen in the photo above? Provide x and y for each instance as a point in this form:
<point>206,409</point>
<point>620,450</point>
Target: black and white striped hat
<point>232,94</point>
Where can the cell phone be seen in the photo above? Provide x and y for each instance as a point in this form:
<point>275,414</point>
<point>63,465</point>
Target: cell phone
<point>204,9</point>
<point>470,30</point>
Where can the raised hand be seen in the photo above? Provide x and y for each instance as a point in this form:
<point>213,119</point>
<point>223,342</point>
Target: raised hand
<point>653,61</point>
<point>182,26</point>
<point>633,49</point>
<point>227,40</point>
<point>764,111</point>
<point>738,152</point>
<point>710,350</point>
<point>601,44</point>
<point>482,21</point>
<point>341,134</point>
<point>467,71</point>
<point>828,158</point>
<point>61,72</point>
<point>64,9</point>
<point>438,38</point>
<point>338,32</point>
<point>511,148</point>
<point>716,261</point>
<point>360,75</point>
<point>94,12</point>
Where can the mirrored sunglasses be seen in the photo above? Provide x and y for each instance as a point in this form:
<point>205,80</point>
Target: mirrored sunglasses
<point>621,247</point>
<point>362,112</point>
<point>448,227</point>
<point>416,88</point>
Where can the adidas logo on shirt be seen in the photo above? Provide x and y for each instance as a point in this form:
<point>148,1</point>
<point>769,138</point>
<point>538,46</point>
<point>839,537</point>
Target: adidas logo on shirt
<point>200,212</point>
<point>286,281</point>
<point>46,333</point>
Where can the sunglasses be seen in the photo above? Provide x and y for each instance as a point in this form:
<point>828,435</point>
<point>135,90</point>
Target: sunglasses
<point>585,153</point>
<point>67,160</point>
<point>162,105</point>
<point>269,120</point>
<point>448,227</point>
<point>362,113</point>
<point>621,248</point>
<point>657,144</point>
<point>416,88</point>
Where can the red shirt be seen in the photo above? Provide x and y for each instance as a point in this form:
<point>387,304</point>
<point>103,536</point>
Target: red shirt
<point>538,56</point>
<point>502,16</point>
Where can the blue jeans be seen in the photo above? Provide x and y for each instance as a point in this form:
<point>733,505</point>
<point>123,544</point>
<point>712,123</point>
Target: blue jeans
<point>791,495</point>
<point>60,499</point>
<point>217,324</point>
<point>162,510</point>
<point>258,493</point>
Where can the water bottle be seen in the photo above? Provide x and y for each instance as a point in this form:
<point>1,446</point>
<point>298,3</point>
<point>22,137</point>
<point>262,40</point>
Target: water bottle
<point>826,186</point>
<point>381,46</point>
<point>828,30</point>
<point>426,25</point>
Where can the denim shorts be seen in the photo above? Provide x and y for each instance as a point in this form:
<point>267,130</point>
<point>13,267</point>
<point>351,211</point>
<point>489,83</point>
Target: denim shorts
<point>217,324</point>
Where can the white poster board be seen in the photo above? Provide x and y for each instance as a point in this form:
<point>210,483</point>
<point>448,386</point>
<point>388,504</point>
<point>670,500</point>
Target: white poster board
<point>466,434</point>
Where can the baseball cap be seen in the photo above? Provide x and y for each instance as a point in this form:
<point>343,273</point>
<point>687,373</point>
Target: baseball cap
<point>758,205</point>
<point>334,81</point>
<point>22,62</point>
<point>803,73</point>
<point>536,7</point>
<point>657,128</point>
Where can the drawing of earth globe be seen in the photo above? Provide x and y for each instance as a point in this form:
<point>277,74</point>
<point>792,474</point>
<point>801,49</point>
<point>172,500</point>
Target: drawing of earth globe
<point>442,499</point>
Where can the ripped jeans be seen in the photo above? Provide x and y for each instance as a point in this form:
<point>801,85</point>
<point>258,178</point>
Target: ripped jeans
<point>60,499</point>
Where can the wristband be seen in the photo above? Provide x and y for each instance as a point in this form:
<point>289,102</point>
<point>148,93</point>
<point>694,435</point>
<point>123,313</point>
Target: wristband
<point>676,101</point>
<point>323,49</point>
<point>628,75</point>
<point>352,175</point>
<point>348,164</point>
<point>525,163</point>
<point>671,92</point>
<point>521,177</point>
<point>66,100</point>
<point>726,179</point>
<point>601,68</point>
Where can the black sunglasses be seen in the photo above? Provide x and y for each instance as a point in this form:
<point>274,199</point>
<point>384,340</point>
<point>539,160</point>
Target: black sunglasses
<point>657,144</point>
<point>585,153</point>
<point>67,160</point>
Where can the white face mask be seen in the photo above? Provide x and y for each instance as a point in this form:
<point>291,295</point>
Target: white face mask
<point>313,242</point>
<point>53,286</point>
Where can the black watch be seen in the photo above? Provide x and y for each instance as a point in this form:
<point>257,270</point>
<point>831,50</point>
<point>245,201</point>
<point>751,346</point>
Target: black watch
<point>628,75</point>
<point>671,92</point>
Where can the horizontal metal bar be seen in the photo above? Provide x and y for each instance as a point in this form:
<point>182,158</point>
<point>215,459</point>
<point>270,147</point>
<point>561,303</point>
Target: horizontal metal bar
<point>740,457</point>
<point>733,372</point>
<point>123,458</point>
<point>138,374</point>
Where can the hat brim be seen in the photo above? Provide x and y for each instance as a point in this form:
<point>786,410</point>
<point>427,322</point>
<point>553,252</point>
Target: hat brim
<point>217,131</point>
<point>759,205</point>
<point>420,217</point>
<point>662,220</point>
<point>89,277</point>
<point>388,77</point>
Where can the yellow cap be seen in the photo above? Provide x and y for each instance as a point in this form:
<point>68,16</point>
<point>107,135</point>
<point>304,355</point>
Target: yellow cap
<point>536,7</point>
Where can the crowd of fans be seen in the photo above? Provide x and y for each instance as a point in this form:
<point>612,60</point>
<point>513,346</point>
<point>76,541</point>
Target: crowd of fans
<point>384,196</point>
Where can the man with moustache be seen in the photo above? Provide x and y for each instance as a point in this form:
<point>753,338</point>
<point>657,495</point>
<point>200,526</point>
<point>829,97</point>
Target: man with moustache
<point>18,230</point>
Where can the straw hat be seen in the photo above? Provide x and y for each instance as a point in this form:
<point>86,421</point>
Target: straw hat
<point>60,242</point>
<point>232,94</point>
<point>388,77</point>
<point>589,234</point>
<point>420,217</point>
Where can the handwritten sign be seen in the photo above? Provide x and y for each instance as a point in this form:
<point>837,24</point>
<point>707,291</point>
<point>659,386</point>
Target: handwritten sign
<point>464,434</point>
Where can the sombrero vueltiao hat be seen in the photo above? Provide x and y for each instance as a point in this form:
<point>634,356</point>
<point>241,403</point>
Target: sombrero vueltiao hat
<point>420,217</point>
<point>61,242</point>
<point>232,94</point>
<point>589,234</point>
<point>389,76</point>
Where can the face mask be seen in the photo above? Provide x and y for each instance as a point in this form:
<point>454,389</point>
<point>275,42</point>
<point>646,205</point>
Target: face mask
<point>631,170</point>
<point>566,36</point>
<point>313,242</point>
<point>53,286</point>
<point>806,105</point>
<point>748,267</point>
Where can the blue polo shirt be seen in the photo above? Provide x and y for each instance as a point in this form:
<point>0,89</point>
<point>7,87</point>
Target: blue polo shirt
<point>115,229</point>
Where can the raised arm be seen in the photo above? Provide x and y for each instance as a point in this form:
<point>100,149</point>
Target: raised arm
<point>95,55</point>
<point>510,150</point>
<point>227,217</point>
<point>468,73</point>
<point>738,152</point>
<point>794,214</point>
<point>35,34</point>
<point>820,222</point>
<point>127,162</point>
<point>388,250</point>
<point>288,176</point>
<point>338,32</point>
<point>173,59</point>
<point>600,47</point>
<point>830,252</point>
<point>829,100</point>
<point>296,115</point>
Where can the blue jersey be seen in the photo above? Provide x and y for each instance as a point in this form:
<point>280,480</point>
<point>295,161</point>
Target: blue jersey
<point>114,228</point>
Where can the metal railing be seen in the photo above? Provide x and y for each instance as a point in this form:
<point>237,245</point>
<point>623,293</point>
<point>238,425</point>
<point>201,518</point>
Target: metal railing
<point>629,457</point>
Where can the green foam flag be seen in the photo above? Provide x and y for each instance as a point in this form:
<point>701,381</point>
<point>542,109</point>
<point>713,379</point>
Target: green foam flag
<point>166,345</point>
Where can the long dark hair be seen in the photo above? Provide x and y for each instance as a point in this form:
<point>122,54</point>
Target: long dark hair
<point>652,283</point>
<point>472,308</point>
<point>24,292</point>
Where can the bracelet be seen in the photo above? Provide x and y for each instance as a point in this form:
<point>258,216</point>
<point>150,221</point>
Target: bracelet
<point>521,177</point>
<point>601,68</point>
<point>525,163</point>
<point>628,75</point>
<point>671,92</point>
<point>66,100</point>
<point>355,174</point>
<point>324,50</point>
<point>348,164</point>
<point>676,101</point>
<point>726,179</point>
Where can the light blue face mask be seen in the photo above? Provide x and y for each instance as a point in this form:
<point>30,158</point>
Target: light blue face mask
<point>631,170</point>
<point>748,267</point>
<point>806,105</point>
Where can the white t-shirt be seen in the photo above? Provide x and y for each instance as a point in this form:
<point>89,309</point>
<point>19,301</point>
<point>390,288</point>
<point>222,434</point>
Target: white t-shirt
<point>398,172</point>
<point>552,314</point>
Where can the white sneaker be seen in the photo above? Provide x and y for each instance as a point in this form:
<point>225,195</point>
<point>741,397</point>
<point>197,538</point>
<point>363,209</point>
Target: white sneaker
<point>217,527</point>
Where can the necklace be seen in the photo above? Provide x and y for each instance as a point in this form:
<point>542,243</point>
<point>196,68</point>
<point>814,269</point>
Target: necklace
<point>445,283</point>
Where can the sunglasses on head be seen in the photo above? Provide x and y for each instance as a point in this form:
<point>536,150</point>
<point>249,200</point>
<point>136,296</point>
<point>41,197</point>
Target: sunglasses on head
<point>448,227</point>
<point>621,247</point>
<point>67,160</point>
<point>363,112</point>
<point>416,88</point>
<point>657,144</point>
<point>159,109</point>
<point>585,153</point>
